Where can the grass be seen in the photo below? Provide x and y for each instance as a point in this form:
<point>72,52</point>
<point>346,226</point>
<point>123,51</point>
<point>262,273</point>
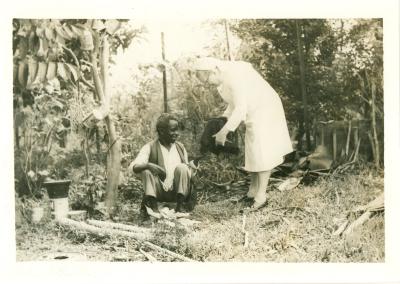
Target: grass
<point>296,226</point>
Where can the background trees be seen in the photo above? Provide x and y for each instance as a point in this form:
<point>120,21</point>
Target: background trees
<point>338,58</point>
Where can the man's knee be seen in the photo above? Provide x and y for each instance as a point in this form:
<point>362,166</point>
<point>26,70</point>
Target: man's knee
<point>146,173</point>
<point>182,169</point>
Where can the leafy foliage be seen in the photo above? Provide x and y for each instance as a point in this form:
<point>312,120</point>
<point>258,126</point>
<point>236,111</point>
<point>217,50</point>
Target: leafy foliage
<point>337,53</point>
<point>52,94</point>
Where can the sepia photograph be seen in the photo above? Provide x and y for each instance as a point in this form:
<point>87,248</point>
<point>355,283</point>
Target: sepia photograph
<point>187,140</point>
<point>258,140</point>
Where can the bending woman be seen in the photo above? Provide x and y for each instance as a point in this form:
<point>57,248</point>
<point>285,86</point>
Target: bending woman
<point>252,100</point>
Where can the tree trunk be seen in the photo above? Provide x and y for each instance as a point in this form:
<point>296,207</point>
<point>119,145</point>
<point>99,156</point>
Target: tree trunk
<point>104,59</point>
<point>16,136</point>
<point>374,133</point>
<point>85,146</point>
<point>303,86</point>
<point>300,134</point>
<point>98,145</point>
<point>113,155</point>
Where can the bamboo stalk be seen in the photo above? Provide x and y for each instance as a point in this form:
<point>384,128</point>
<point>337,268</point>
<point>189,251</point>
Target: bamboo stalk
<point>82,226</point>
<point>111,225</point>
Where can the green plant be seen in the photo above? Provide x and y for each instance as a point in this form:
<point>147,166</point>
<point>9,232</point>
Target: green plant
<point>41,123</point>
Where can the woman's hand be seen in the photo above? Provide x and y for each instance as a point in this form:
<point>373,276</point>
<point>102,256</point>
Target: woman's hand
<point>220,137</point>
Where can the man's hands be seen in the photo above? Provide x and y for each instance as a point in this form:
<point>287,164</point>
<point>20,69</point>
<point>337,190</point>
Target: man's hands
<point>157,170</point>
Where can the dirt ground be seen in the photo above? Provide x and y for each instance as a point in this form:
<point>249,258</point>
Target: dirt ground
<point>296,226</point>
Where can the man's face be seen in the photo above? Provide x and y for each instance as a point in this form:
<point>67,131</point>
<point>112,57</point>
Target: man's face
<point>170,134</point>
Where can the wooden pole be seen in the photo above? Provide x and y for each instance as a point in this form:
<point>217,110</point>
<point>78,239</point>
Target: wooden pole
<point>322,136</point>
<point>374,133</point>
<point>230,57</point>
<point>303,85</point>
<point>334,144</point>
<point>164,74</point>
<point>356,137</point>
<point>348,139</point>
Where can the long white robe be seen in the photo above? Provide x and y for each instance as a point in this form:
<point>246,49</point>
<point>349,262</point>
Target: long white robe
<point>252,100</point>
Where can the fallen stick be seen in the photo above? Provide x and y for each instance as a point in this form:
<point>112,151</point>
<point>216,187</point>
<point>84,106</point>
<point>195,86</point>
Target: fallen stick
<point>341,228</point>
<point>243,222</point>
<point>246,234</point>
<point>361,220</point>
<point>319,173</point>
<point>148,256</point>
<point>100,231</point>
<point>378,204</point>
<point>293,208</point>
<point>111,225</point>
<point>173,254</point>
<point>337,196</point>
<point>246,239</point>
<point>322,171</point>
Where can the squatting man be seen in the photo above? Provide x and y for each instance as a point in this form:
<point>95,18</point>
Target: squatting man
<point>164,168</point>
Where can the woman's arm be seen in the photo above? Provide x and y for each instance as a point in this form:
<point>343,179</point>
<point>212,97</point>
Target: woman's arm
<point>237,108</point>
<point>237,115</point>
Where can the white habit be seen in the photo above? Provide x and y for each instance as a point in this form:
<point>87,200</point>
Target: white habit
<point>252,100</point>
